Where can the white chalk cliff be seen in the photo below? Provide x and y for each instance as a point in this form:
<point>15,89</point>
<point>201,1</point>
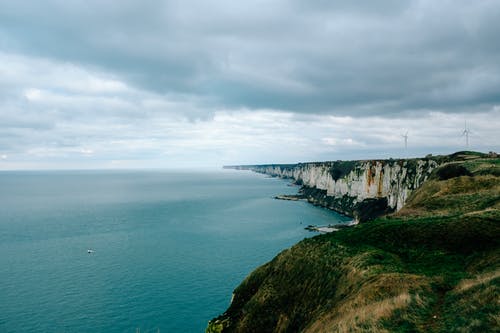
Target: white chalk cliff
<point>343,185</point>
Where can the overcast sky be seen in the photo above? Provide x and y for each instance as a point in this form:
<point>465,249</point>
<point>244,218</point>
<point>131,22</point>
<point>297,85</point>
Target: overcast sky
<point>167,84</point>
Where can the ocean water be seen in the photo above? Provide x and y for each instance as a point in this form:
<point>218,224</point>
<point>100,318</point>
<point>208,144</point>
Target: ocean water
<point>170,247</point>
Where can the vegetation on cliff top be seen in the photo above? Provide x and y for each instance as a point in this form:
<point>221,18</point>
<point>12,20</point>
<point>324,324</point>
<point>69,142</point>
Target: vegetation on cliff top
<point>432,267</point>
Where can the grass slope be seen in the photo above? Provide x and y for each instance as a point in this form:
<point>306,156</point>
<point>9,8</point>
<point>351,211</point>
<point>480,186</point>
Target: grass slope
<point>432,267</point>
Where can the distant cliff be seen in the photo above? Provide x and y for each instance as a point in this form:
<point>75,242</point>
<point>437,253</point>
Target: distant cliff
<point>362,189</point>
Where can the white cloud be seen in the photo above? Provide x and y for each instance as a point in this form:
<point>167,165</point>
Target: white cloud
<point>330,141</point>
<point>33,94</point>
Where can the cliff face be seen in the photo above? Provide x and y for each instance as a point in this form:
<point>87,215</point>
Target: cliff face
<point>355,187</point>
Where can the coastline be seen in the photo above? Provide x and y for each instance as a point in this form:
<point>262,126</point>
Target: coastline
<point>406,269</point>
<point>330,227</point>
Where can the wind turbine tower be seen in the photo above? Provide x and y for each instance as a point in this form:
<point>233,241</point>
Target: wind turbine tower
<point>406,139</point>
<point>466,133</point>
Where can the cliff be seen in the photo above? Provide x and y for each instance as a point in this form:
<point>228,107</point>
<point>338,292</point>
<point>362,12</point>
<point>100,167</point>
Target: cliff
<point>433,266</point>
<point>362,189</point>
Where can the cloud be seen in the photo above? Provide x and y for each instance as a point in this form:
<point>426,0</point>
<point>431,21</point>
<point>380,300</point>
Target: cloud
<point>215,82</point>
<point>335,57</point>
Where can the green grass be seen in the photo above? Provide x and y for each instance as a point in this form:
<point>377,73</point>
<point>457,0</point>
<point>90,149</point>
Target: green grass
<point>320,273</point>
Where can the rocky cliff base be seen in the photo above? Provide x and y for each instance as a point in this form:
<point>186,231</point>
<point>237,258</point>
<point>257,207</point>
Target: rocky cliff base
<point>360,189</point>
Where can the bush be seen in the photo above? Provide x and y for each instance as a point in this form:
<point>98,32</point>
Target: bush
<point>452,171</point>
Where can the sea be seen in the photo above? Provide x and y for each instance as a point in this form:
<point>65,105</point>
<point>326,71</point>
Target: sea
<point>167,248</point>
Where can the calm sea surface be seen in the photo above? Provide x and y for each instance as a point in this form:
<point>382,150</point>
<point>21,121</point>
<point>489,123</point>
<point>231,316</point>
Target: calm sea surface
<point>169,247</point>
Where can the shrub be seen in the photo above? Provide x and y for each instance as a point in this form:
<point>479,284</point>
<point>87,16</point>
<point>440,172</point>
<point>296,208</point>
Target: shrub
<point>452,171</point>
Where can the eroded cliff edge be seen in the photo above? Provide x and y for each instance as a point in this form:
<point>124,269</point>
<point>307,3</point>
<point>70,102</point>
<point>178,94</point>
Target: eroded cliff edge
<point>361,189</point>
<point>433,266</point>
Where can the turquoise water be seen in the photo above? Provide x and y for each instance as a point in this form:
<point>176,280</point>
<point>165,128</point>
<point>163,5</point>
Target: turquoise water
<point>170,247</point>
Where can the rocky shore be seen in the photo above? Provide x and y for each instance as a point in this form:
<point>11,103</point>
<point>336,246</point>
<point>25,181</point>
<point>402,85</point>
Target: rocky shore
<point>359,189</point>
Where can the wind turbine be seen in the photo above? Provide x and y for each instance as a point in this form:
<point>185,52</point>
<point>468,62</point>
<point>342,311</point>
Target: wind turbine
<point>466,133</point>
<point>406,139</point>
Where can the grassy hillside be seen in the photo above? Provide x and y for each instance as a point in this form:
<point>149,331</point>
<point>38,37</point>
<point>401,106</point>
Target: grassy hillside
<point>432,267</point>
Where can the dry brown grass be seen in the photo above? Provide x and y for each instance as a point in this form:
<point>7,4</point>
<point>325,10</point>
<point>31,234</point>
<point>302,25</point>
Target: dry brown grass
<point>363,318</point>
<point>376,299</point>
<point>484,211</point>
<point>282,324</point>
<point>439,198</point>
<point>477,280</point>
<point>464,185</point>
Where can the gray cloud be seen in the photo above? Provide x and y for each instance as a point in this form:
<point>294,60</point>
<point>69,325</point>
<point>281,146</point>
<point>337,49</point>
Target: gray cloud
<point>328,57</point>
<point>145,83</point>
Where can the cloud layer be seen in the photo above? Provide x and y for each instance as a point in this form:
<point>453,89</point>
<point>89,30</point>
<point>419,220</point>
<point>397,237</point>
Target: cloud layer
<point>151,83</point>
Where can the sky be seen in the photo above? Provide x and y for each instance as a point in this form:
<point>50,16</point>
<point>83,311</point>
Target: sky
<point>101,84</point>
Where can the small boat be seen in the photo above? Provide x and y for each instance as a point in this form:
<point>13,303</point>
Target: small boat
<point>90,251</point>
